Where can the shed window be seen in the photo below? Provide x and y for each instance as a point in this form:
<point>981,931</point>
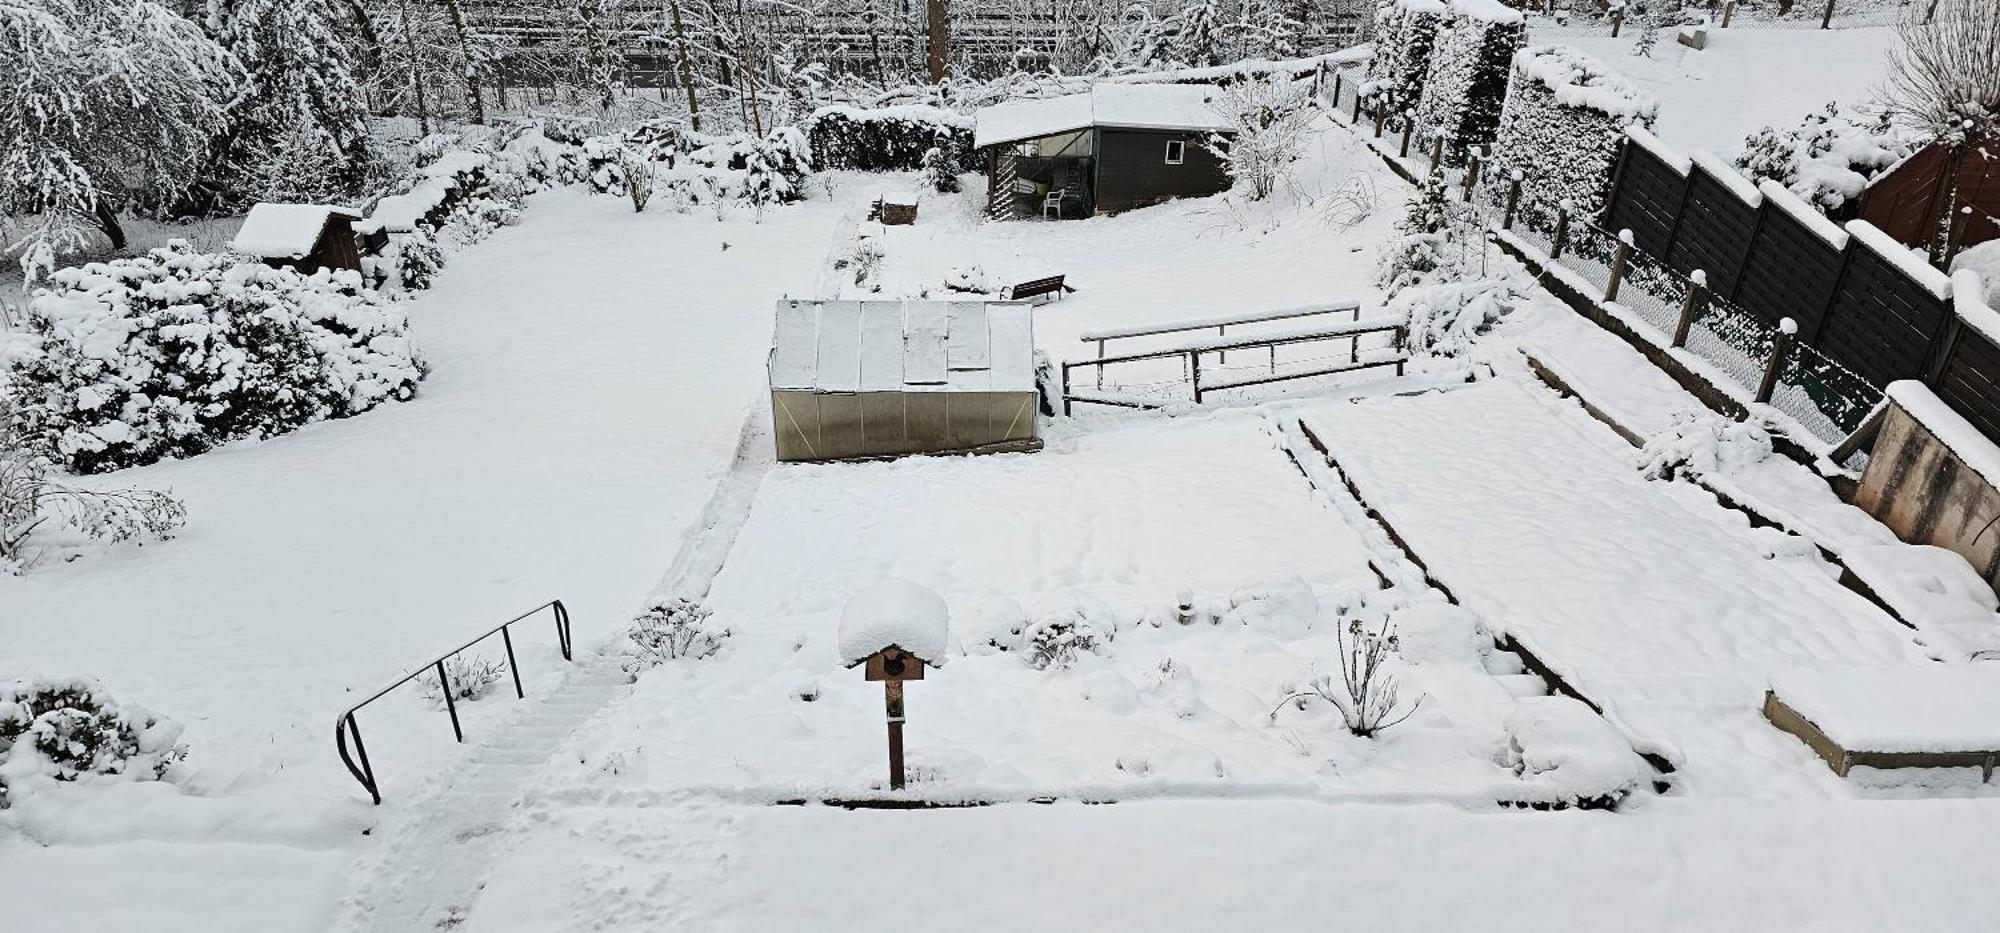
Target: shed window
<point>1176,151</point>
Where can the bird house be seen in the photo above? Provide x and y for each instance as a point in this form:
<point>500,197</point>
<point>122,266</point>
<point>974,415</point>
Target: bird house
<point>893,663</point>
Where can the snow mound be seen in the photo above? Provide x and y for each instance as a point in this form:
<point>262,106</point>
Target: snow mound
<point>894,612</point>
<point>1578,80</point>
<point>1564,753</point>
<point>1697,445</point>
<point>1985,260</point>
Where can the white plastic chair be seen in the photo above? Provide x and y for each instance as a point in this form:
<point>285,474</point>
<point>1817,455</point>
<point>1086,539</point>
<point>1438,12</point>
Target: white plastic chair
<point>1053,201</point>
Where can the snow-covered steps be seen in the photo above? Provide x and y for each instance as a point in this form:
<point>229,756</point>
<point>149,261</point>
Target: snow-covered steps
<point>1632,591</point>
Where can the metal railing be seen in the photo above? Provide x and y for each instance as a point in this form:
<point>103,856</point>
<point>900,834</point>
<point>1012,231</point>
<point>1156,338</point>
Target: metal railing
<point>1221,326</point>
<point>1190,354</point>
<point>346,725</point>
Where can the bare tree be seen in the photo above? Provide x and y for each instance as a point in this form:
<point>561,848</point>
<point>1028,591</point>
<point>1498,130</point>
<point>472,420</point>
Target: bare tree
<point>1945,74</point>
<point>1367,694</point>
<point>30,501</point>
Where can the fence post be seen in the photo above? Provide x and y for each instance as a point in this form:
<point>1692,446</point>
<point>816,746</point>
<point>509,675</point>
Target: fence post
<point>1065,385</point>
<point>1437,151</point>
<point>1561,238</point>
<point>1100,366</point>
<point>1619,258</point>
<point>1930,12</point>
<point>1194,375</point>
<point>1357,108</point>
<point>1781,346</point>
<point>1337,75</point>
<point>1826,19</point>
<point>1471,171</point>
<point>1729,12</point>
<point>1513,200</point>
<point>1956,238</point>
<point>1378,120</point>
<point>1403,152</point>
<point>1696,297</point>
<point>1617,19</point>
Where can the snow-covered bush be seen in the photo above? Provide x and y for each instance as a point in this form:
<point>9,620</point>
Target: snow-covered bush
<point>1267,120</point>
<point>1562,129</point>
<point>941,166</point>
<point>888,139</point>
<point>1428,245</point>
<point>1565,755</point>
<point>406,262</point>
<point>1406,33</point>
<point>175,352</point>
<point>1828,159</point>
<point>1447,317</point>
<point>470,678</point>
<point>32,502</point>
<point>1699,444</point>
<point>688,169</point>
<point>1985,260</point>
<point>1367,693</point>
<point>1467,85</point>
<point>1053,638</point>
<point>676,629</point>
<point>69,728</point>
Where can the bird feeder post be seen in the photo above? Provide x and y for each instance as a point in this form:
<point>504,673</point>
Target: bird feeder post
<point>892,698</point>
<point>875,626</point>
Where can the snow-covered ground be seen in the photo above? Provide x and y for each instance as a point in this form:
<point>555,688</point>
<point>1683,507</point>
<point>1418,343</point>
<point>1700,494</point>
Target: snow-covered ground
<point>1748,78</point>
<point>593,373</point>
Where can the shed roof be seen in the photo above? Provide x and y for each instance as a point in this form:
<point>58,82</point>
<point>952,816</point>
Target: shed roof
<point>903,346</point>
<point>1191,107</point>
<point>285,231</point>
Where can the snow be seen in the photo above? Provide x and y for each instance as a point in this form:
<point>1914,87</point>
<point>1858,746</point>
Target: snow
<point>1191,107</point>
<point>1565,751</point>
<point>1910,262</point>
<point>1726,173</point>
<point>894,346</point>
<point>1490,11</point>
<point>1577,80</point>
<point>1935,708</point>
<point>284,231</point>
<point>1983,259</point>
<point>1973,298</point>
<point>1748,78</point>
<point>896,613</point>
<point>1652,144</point>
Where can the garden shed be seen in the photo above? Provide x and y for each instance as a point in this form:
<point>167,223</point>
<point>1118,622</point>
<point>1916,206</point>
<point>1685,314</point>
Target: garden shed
<point>853,379</point>
<point>1113,148</point>
<point>306,237</point>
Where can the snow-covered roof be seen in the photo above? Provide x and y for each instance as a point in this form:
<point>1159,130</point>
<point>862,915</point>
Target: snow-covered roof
<point>285,231</point>
<point>1191,107</point>
<point>903,346</point>
<point>894,612</point>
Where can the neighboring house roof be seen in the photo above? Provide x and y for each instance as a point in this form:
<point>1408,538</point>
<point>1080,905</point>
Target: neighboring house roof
<point>1188,107</point>
<point>903,346</point>
<point>285,231</point>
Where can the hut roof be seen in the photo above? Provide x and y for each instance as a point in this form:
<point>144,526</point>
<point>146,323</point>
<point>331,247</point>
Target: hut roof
<point>1190,107</point>
<point>903,346</point>
<point>285,231</point>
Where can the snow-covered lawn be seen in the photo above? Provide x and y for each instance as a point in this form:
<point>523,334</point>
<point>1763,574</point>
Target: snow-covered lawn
<point>1747,78</point>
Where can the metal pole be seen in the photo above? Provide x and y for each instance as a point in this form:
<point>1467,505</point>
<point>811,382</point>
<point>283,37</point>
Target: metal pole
<point>450,705</point>
<point>361,751</point>
<point>1619,257</point>
<point>892,697</point>
<point>512,668</point>
<point>1222,356</point>
<point>1781,345</point>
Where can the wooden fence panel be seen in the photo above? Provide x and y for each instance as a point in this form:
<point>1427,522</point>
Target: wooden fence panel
<point>1713,234</point>
<point>1881,324</point>
<point>1971,382</point>
<point>1791,272</point>
<point>1646,199</point>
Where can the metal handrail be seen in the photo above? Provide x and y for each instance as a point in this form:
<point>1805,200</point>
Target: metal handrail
<point>346,724</point>
<point>1191,355</point>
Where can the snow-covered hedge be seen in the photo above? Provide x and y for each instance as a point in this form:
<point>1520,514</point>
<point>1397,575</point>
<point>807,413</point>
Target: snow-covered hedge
<point>175,352</point>
<point>68,729</point>
<point>1564,121</point>
<point>1828,159</point>
<point>1467,85</point>
<point>886,139</point>
<point>689,168</point>
<point>1406,31</point>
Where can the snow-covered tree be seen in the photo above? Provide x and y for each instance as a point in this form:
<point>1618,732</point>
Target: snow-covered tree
<point>102,102</point>
<point>298,93</point>
<point>1945,74</point>
<point>941,165</point>
<point>1267,120</point>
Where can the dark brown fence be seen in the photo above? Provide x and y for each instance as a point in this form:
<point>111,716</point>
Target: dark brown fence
<point>1766,253</point>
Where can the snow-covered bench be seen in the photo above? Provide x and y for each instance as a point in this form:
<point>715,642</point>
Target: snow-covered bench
<point>1928,716</point>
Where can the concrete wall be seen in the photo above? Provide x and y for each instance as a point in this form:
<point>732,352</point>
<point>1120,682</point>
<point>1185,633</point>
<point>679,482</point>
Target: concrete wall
<point>1925,494</point>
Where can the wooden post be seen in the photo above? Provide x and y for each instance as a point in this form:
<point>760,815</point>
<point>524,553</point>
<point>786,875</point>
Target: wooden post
<point>1194,375</point>
<point>1697,296</point>
<point>1100,366</point>
<point>1781,346</point>
<point>1561,238</point>
<point>1471,173</point>
<point>1378,121</point>
<point>1513,201</point>
<point>1619,258</point>
<point>1930,12</point>
<point>1728,13</point>
<point>892,699</point>
<point>1065,386</point>
<point>1826,19</point>
<point>1222,330</point>
<point>1336,91</point>
<point>1357,109</point>
<point>1437,151</point>
<point>1617,20</point>
<point>1408,124</point>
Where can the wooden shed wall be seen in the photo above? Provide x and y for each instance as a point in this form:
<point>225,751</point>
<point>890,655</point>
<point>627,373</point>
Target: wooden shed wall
<point>1132,169</point>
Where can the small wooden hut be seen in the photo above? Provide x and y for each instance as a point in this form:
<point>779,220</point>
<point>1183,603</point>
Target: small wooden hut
<point>306,237</point>
<point>1910,200</point>
<point>1114,148</point>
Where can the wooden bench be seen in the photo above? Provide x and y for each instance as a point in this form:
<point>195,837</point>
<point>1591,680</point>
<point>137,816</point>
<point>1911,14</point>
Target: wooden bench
<point>1035,288</point>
